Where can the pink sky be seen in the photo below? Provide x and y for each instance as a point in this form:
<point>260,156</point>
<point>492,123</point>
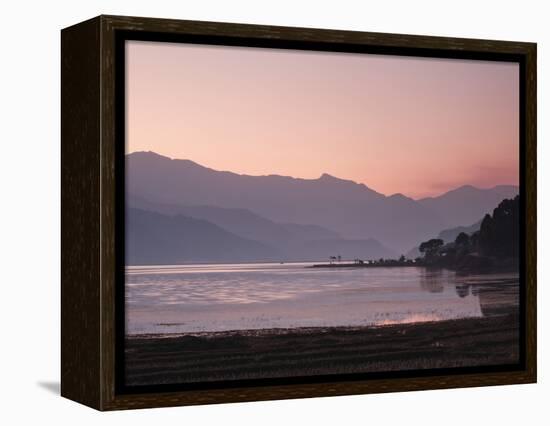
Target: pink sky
<point>399,125</point>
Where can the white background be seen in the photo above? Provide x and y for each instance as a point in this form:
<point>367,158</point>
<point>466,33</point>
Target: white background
<point>30,210</point>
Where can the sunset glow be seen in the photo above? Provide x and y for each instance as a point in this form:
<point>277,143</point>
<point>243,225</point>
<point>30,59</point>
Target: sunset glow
<point>399,125</point>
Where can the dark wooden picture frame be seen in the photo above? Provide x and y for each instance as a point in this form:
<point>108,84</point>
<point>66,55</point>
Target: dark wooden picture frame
<point>93,208</point>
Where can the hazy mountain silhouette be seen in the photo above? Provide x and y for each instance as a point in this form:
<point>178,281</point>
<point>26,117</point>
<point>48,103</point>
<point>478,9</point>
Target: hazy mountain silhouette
<point>154,238</point>
<point>309,232</point>
<point>286,242</point>
<point>352,210</point>
<point>241,222</point>
<point>467,203</point>
<point>448,236</point>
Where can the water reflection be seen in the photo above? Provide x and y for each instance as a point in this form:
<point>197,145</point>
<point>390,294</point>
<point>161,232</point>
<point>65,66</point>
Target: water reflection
<point>196,298</point>
<point>462,290</point>
<point>497,297</point>
<point>432,280</point>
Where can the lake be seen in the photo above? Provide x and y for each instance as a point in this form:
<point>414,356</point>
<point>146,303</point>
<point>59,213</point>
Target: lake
<point>201,298</point>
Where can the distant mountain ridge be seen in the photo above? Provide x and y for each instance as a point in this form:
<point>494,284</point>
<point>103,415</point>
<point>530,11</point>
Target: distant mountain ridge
<point>456,204</point>
<point>241,222</point>
<point>448,236</point>
<point>348,209</point>
<point>155,238</point>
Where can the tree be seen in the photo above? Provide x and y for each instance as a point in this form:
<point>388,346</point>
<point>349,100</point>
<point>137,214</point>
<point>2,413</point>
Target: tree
<point>430,247</point>
<point>402,258</point>
<point>486,236</point>
<point>462,240</point>
<point>499,234</point>
<point>474,241</point>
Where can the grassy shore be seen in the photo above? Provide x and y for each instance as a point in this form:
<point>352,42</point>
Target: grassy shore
<point>249,354</point>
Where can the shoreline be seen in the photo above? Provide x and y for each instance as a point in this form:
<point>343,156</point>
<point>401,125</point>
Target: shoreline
<point>464,269</point>
<point>281,331</point>
<point>366,265</point>
<point>272,353</point>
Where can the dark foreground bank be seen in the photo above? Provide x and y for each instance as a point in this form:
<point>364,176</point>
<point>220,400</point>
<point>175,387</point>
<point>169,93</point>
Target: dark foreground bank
<point>250,354</point>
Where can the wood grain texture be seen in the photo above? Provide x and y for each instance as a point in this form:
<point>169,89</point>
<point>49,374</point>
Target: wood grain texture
<point>89,194</point>
<point>530,167</point>
<point>109,195</point>
<point>442,44</point>
<point>122,402</point>
<point>80,213</point>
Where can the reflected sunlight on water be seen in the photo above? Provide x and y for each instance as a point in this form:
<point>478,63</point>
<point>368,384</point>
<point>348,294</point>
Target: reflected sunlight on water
<point>193,298</point>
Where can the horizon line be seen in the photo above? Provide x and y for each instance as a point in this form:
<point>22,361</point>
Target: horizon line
<point>465,185</point>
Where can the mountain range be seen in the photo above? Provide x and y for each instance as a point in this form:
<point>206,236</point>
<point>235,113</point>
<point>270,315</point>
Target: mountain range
<point>448,236</point>
<point>171,234</point>
<point>153,238</point>
<point>291,218</point>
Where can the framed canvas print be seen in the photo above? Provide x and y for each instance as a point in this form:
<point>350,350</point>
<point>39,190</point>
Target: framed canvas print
<point>254,212</point>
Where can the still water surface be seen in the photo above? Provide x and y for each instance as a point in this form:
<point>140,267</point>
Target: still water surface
<point>198,298</point>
